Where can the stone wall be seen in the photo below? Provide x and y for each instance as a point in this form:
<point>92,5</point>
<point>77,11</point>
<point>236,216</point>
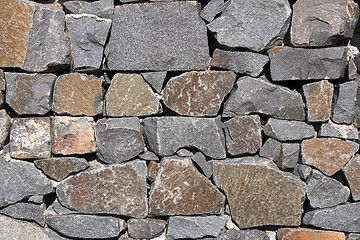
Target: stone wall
<point>179,119</point>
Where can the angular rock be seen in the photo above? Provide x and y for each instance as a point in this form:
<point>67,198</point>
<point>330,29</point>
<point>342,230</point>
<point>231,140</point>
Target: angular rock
<point>344,103</point>
<point>308,233</point>
<point>103,8</point>
<point>130,95</point>
<point>195,227</point>
<point>353,236</point>
<point>72,135</point>
<point>58,208</point>
<point>155,79</point>
<point>258,193</point>
<point>213,8</point>
<point>184,153</point>
<point>152,170</point>
<point>78,94</point>
<point>145,228</point>
<point>352,171</point>
<point>318,98</point>
<point>2,88</point>
<point>60,167</point>
<point>30,138</point>
<point>328,155</point>
<point>357,105</point>
<point>175,42</point>
<point>86,226</point>
<point>26,211</point>
<point>258,95</point>
<point>115,189</point>
<point>289,155</point>
<point>149,156</point>
<point>331,129</point>
<point>249,63</point>
<point>118,139</point>
<point>5,124</point>
<point>265,24</point>
<point>36,199</point>
<point>243,135</point>
<point>233,234</point>
<point>284,130</point>
<point>198,93</point>
<point>271,150</point>
<point>302,170</point>
<point>288,63</point>
<point>165,135</point>
<point>324,23</point>
<point>180,189</point>
<point>205,166</point>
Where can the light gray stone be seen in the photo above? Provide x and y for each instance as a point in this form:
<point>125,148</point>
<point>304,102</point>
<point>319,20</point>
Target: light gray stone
<point>145,228</point>
<point>155,79</point>
<point>331,129</point>
<point>26,211</point>
<point>357,105</point>
<point>353,236</point>
<point>271,150</point>
<point>184,153</point>
<point>36,199</point>
<point>344,103</point>
<point>289,155</point>
<point>352,171</point>
<point>2,88</point>
<point>233,234</point>
<point>149,156</point>
<point>102,8</point>
<point>5,124</point>
<point>213,8</point>
<point>204,165</point>
<point>302,170</point>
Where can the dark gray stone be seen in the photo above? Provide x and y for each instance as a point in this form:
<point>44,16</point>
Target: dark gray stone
<point>149,156</point>
<point>145,228</point>
<point>357,105</point>
<point>271,150</point>
<point>213,8</point>
<point>26,211</point>
<point>102,8</point>
<point>155,79</point>
<point>204,165</point>
<point>60,209</point>
<point>331,129</point>
<point>344,103</point>
<point>5,124</point>
<point>2,88</point>
<point>302,170</point>
<point>233,234</point>
<point>289,155</point>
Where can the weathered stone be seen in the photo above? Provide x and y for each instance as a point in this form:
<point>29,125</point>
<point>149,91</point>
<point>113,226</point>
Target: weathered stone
<point>61,167</point>
<point>271,150</point>
<point>331,129</point>
<point>288,63</point>
<point>118,139</point>
<point>86,226</point>
<point>116,189</point>
<point>353,236</point>
<point>284,130</point>
<point>167,46</point>
<point>258,193</point>
<point>318,98</point>
<point>243,135</point>
<point>165,135</point>
<point>152,170</point>
<point>289,155</point>
<point>5,124</point>
<point>302,170</point>
<point>78,94</point>
<point>308,233</point>
<point>213,8</point>
<point>180,189</point>
<point>149,156</point>
<point>30,138</point>
<point>184,153</point>
<point>2,88</point>
<point>198,93</point>
<point>258,95</point>
<point>130,95</point>
<point>26,211</point>
<point>340,218</point>
<point>72,135</point>
<point>324,23</point>
<point>103,8</point>
<point>352,171</point>
<point>60,209</point>
<point>357,105</point>
<point>265,24</point>
<point>249,63</point>
<point>233,234</point>
<point>155,79</point>
<point>145,228</point>
<point>326,154</point>
<point>205,166</point>
<point>36,199</point>
<point>344,103</point>
<point>195,227</point>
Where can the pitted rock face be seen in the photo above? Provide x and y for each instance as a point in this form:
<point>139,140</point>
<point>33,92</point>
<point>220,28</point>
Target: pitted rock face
<point>352,171</point>
<point>308,233</point>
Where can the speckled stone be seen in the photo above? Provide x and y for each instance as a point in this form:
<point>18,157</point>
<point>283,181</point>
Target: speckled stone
<point>307,234</point>
<point>5,124</point>
<point>352,171</point>
<point>145,228</point>
<point>26,211</point>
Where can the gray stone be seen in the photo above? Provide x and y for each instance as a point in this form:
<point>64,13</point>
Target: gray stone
<point>324,192</point>
<point>60,209</point>
<point>344,102</point>
<point>205,166</point>
<point>165,135</point>
<point>29,93</point>
<point>213,8</point>
<point>149,156</point>
<point>331,129</point>
<point>353,236</point>
<point>145,228</point>
<point>357,105</point>
<point>258,95</point>
<point>155,79</point>
<point>86,226</point>
<point>302,170</point>
<point>26,211</point>
<point>323,23</point>
<point>2,88</point>
<point>184,153</point>
<point>102,8</point>
<point>265,24</point>
<point>352,171</point>
<point>271,150</point>
<point>167,46</point>
<point>284,130</point>
<point>5,124</point>
<point>288,63</point>
<point>36,199</point>
<point>195,227</point>
<point>249,63</point>
<point>118,139</point>
<point>88,34</point>
<point>289,155</point>
<point>233,234</point>
<point>340,218</point>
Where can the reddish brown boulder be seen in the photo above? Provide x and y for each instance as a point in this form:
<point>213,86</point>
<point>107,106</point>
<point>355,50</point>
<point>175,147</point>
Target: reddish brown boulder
<point>307,234</point>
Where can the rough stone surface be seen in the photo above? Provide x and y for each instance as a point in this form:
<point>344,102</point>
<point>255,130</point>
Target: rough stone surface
<point>155,79</point>
<point>331,129</point>
<point>243,135</point>
<point>326,154</point>
<point>60,209</point>
<point>324,23</point>
<point>257,95</point>
<point>233,234</point>
<point>249,63</point>
<point>198,93</point>
<point>265,24</point>
<point>308,233</point>
<point>103,8</point>
<point>36,199</point>
<point>213,8</point>
<point>116,189</point>
<point>179,189</point>
<point>152,170</point>
<point>78,94</point>
<point>352,171</point>
<point>353,236</point>
<point>205,166</point>
<point>318,98</point>
<point>30,138</point>
<point>271,150</point>
<point>72,135</point>
<point>302,170</point>
<point>184,153</point>
<point>289,155</point>
<point>130,95</point>
<point>145,228</point>
<point>344,103</point>
<point>5,124</point>
<point>288,63</point>
<point>357,106</point>
<point>175,42</point>
<point>149,156</point>
<point>258,193</point>
<point>195,227</point>
<point>2,88</point>
<point>118,139</point>
<point>26,211</point>
<point>29,93</point>
<point>165,135</point>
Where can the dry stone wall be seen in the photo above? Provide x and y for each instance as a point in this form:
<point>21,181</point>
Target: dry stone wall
<point>127,119</point>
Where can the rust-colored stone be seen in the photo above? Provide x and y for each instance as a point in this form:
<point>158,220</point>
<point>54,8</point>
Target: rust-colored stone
<point>352,173</point>
<point>152,170</point>
<point>308,234</point>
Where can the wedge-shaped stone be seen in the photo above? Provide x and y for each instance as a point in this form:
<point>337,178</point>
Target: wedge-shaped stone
<point>145,228</point>
<point>155,79</point>
<point>272,150</point>
<point>165,135</point>
<point>352,171</point>
<point>5,124</point>
<point>198,93</point>
<point>115,189</point>
<point>343,110</point>
<point>308,233</point>
<point>213,8</point>
<point>103,8</point>
<point>289,155</point>
<point>258,193</point>
<point>26,211</point>
<point>343,131</point>
<point>180,189</point>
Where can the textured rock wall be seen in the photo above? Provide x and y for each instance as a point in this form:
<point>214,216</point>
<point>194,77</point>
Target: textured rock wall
<point>125,119</point>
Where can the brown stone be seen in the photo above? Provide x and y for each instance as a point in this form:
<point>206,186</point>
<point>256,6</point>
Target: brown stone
<point>318,97</point>
<point>152,170</point>
<point>352,173</point>
<point>307,234</point>
<point>328,155</point>
<point>73,135</point>
<point>115,189</point>
<point>130,95</point>
<point>180,189</point>
<point>78,94</point>
<point>198,93</point>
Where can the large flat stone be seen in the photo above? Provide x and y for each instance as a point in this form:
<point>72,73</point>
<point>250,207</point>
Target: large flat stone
<point>103,8</point>
<point>308,233</point>
<point>344,103</point>
<point>145,228</point>
<point>26,211</point>
<point>5,124</point>
<point>352,171</point>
